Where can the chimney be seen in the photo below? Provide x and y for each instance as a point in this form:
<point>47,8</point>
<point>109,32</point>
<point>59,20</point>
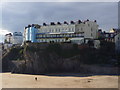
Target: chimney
<point>72,22</point>
<point>44,24</point>
<point>65,22</point>
<point>10,34</point>
<point>29,25</point>
<point>58,23</point>
<point>52,23</point>
<point>25,27</point>
<point>37,26</point>
<point>79,21</point>
<point>33,25</point>
<point>99,30</point>
<point>87,19</point>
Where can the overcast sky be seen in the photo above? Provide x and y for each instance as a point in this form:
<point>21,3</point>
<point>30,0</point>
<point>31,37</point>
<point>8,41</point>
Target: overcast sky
<point>16,15</point>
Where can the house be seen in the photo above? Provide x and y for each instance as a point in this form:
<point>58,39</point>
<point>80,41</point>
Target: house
<point>8,38</point>
<point>13,39</point>
<point>17,38</point>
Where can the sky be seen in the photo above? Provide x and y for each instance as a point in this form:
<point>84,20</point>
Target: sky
<point>16,15</point>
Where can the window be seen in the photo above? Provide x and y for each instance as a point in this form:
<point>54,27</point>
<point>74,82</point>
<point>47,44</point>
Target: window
<point>47,35</point>
<point>59,30</point>
<point>77,35</point>
<point>40,30</point>
<point>44,30</point>
<point>41,35</point>
<point>56,35</point>
<point>81,28</point>
<point>73,29</point>
<point>56,30</point>
<point>50,30</point>
<point>91,29</point>
<point>91,34</point>
<point>107,35</point>
<point>111,35</point>
<point>45,40</point>
<point>55,40</point>
<point>69,29</point>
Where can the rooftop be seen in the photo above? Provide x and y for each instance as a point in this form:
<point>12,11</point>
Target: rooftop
<point>58,23</point>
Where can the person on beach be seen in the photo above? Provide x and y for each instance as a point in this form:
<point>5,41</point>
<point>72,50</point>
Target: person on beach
<point>36,78</point>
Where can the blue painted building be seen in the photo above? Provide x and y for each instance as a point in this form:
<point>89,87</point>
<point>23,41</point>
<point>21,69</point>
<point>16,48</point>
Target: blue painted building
<point>30,33</point>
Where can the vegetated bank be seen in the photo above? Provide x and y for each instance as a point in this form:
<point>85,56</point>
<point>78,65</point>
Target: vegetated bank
<point>43,58</point>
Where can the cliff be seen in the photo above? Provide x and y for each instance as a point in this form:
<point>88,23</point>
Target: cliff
<point>44,58</point>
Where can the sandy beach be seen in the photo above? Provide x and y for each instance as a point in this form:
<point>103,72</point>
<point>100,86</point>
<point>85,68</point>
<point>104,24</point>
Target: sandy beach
<point>28,81</point>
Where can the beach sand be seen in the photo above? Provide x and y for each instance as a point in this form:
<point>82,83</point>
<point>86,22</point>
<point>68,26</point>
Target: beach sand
<point>28,81</point>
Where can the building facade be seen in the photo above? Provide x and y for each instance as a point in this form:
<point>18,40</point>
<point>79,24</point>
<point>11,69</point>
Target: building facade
<point>8,38</point>
<point>17,38</point>
<point>107,36</point>
<point>30,33</point>
<point>117,42</point>
<point>61,32</point>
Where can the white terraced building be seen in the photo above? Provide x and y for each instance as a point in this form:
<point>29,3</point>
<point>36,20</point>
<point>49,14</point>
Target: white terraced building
<point>62,32</point>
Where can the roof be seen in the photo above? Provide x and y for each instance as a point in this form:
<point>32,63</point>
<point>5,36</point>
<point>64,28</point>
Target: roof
<point>9,34</point>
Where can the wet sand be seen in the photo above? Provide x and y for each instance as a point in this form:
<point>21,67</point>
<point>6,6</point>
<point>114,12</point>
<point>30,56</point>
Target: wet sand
<point>28,81</point>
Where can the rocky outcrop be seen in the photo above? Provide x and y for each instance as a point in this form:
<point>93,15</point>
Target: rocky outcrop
<point>48,63</point>
<point>52,58</point>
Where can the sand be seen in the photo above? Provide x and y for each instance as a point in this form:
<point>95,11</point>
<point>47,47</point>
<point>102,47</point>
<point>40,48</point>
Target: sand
<point>28,81</point>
